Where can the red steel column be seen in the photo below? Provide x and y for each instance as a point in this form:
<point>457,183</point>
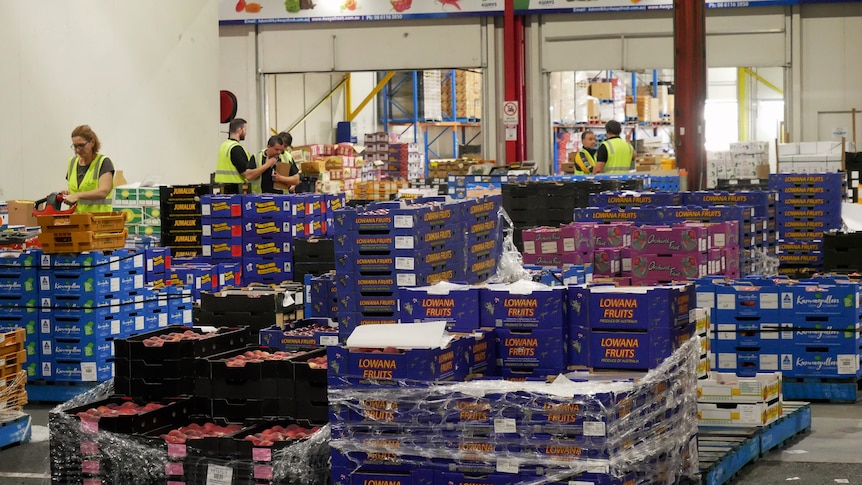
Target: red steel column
<point>511,66</point>
<point>689,40</point>
<point>521,84</point>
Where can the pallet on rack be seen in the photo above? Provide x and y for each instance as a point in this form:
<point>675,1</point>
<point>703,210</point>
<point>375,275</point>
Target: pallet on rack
<point>56,392</point>
<point>834,390</point>
<point>15,428</point>
<point>724,452</point>
<point>796,420</point>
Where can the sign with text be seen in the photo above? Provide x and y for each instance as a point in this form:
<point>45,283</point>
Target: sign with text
<point>285,11</point>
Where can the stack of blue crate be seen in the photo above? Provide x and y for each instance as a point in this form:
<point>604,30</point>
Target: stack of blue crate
<point>19,301</point>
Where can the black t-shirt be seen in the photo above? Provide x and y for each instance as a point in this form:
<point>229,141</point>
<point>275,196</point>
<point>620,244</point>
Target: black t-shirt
<point>267,180</point>
<point>81,171</point>
<point>239,159</point>
<point>602,152</point>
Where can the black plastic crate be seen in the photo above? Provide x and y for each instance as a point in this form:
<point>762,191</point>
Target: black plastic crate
<point>312,411</point>
<point>133,348</point>
<point>314,250</point>
<point>171,412</point>
<point>268,379</point>
<point>155,388</point>
<point>311,384</point>
<point>245,450</point>
<point>222,447</point>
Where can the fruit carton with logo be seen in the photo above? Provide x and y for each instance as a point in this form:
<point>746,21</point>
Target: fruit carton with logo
<point>577,237</point>
<point>17,282</point>
<point>738,414</point>
<point>613,235</point>
<point>483,208</point>
<point>607,261</point>
<point>819,361</point>
<point>348,322</point>
<point>87,349</point>
<point>221,206</point>
<point>522,305</point>
<point>369,303</point>
<point>747,332</point>
<point>264,230</point>
<point>346,284</point>
<point>744,361</point>
<point>785,183</point>
<point>632,308</point>
<point>427,261</point>
<point>741,300</point>
<point>542,241</point>
<point>276,247</point>
<point>634,199</point>
<point>634,350</point>
<point>221,229</point>
<point>73,371</point>
<point>271,207</point>
<point>659,268</point>
<point>543,261</point>
<point>87,326</point>
<point>314,204</point>
<point>376,366</point>
<point>302,334</point>
<point>601,216</point>
<point>81,306</point>
<point>718,213</point>
<point>838,334</point>
<point>457,305</point>
<point>540,348</point>
<point>839,301</point>
<point>762,201</point>
<point>727,387</point>
<point>670,240</point>
<point>347,476</point>
<point>357,262</point>
<point>275,269</point>
<point>723,234</point>
<point>222,250</point>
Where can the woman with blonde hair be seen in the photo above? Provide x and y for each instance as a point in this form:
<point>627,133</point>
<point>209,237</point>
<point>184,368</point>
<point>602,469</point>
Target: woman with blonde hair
<point>90,175</point>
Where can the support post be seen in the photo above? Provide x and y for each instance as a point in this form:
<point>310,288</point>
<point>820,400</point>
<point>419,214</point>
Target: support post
<point>689,39</point>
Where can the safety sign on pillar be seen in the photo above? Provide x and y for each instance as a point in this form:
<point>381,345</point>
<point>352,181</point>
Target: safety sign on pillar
<point>510,119</point>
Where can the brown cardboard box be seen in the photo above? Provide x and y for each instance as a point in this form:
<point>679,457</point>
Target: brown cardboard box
<point>567,167</point>
<point>593,108</point>
<point>631,110</point>
<point>762,172</point>
<point>21,213</point>
<point>602,90</point>
<point>282,169</point>
<point>314,166</point>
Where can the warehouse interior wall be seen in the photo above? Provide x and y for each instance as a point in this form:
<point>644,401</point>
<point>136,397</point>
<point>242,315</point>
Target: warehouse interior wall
<point>144,80</point>
<point>830,70</point>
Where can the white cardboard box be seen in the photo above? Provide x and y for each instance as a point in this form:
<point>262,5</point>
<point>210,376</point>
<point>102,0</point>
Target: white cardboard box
<point>786,149</point>
<point>738,414</point>
<point>727,387</point>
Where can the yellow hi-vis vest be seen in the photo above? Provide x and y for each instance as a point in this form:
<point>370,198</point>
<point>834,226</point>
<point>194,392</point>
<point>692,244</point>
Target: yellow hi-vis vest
<point>619,156</point>
<point>90,182</point>
<point>225,171</point>
<point>584,162</point>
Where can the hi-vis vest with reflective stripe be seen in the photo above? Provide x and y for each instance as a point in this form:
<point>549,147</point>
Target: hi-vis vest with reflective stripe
<point>225,171</point>
<point>584,162</point>
<point>619,156</point>
<point>90,182</point>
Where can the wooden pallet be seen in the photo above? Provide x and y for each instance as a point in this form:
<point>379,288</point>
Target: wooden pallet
<point>78,242</point>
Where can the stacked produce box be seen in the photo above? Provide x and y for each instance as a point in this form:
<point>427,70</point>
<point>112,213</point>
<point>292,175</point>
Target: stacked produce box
<point>19,302</point>
<point>142,208</point>
<point>182,218</point>
<point>729,400</point>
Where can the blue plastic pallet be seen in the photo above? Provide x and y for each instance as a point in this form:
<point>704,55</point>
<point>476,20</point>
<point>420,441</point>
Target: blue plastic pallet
<point>796,420</point>
<point>15,431</point>
<point>845,390</point>
<point>41,391</point>
<point>724,452</point>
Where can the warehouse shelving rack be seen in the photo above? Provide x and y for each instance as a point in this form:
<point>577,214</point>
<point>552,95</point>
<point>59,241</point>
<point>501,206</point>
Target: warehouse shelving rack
<point>463,131</point>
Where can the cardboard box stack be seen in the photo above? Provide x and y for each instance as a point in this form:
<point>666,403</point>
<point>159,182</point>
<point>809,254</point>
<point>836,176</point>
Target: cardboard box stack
<point>406,161</point>
<point>4,215</point>
<point>142,207</point>
<point>808,206</point>
<point>728,400</point>
<point>181,218</point>
<point>440,169</point>
<point>744,160</point>
<point>812,157</point>
<point>467,94</point>
<point>432,107</point>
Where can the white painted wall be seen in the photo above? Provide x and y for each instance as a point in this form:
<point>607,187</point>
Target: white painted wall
<point>831,70</point>
<point>143,75</point>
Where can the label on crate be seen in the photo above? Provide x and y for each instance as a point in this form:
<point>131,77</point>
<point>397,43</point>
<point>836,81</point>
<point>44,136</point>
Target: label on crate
<point>219,475</point>
<point>596,428</point>
<point>406,279</point>
<point>89,372</point>
<point>263,472</point>
<point>174,469</point>
<point>176,451</point>
<point>404,264</point>
<point>92,481</point>
<point>90,466</point>
<point>768,362</point>
<point>403,222</point>
<point>403,242</point>
<point>326,341</point>
<point>505,425</point>
<point>89,427</point>
<point>507,465</point>
<point>89,448</point>
<point>115,327</point>
<point>848,364</point>
<point>261,454</point>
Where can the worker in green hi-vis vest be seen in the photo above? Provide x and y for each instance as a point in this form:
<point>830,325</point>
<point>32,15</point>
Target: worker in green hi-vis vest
<point>235,165</point>
<point>89,174</point>
<point>614,155</point>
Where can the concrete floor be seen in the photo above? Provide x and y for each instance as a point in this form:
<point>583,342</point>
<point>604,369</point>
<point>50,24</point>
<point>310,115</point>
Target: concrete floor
<point>829,454</point>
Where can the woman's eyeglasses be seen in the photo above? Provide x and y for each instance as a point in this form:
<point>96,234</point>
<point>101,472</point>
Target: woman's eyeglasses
<point>78,146</point>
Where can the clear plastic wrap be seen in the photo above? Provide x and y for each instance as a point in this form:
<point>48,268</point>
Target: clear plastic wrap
<point>510,266</point>
<point>764,263</point>
<point>644,427</point>
<point>80,451</point>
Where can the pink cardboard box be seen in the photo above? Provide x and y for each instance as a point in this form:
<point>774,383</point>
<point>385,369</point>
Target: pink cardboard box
<point>716,261</point>
<point>543,241</point>
<point>731,262</point>
<point>607,262</point>
<point>723,234</point>
<point>614,235</point>
<point>578,258</point>
<point>577,237</point>
<point>670,240</point>
<point>666,268</point>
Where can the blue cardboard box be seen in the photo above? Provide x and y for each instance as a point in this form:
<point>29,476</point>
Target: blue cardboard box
<point>613,214</point>
<point>754,332</point>
<point>262,248</point>
<point>389,240</point>
<point>221,229</point>
<point>221,206</point>
<point>540,348</point>
<point>86,283</point>
<point>262,207</point>
<point>314,226</point>
<point>347,322</point>
<point>350,262</point>
<point>17,282</point>
<point>523,374</point>
<point>457,305</point>
<point>369,304</point>
<point>744,361</point>
<point>634,199</point>
<point>81,306</point>
<point>368,367</point>
<point>715,213</point>
<point>578,348</point>
<point>634,350</point>
<point>762,201</point>
<point>426,260</point>
<point>88,326</point>
<point>636,308</point>
<point>26,304</point>
<point>19,260</point>
<point>229,274</point>
<point>840,300</point>
<point>158,260</point>
<point>72,371</point>
<point>278,338</point>
<point>253,230</point>
<point>740,300</point>
<point>222,248</point>
<point>523,305</point>
<point>269,269</point>
<point>91,349</point>
<point>346,476</point>
<point>346,284</point>
<point>843,336</point>
<point>820,361</point>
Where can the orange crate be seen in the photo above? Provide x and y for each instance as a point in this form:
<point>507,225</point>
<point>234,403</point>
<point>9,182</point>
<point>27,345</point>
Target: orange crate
<point>85,221</point>
<point>78,242</point>
<point>12,363</point>
<point>13,394</point>
<point>12,341</point>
